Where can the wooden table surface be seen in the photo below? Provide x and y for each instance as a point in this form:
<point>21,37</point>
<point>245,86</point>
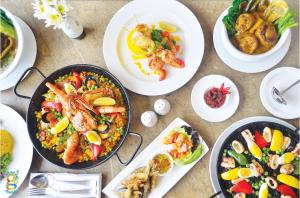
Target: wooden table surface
<point>55,50</point>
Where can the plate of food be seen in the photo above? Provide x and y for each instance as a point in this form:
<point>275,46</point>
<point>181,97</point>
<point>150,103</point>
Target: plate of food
<point>147,46</point>
<point>215,98</point>
<point>256,157</point>
<point>15,151</point>
<point>161,164</point>
<point>255,33</point>
<point>79,116</point>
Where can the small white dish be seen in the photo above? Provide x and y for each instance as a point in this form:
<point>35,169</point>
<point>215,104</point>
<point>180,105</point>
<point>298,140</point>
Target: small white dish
<point>22,151</point>
<point>247,57</point>
<point>20,44</point>
<point>165,183</point>
<point>281,78</point>
<point>27,58</point>
<point>118,57</point>
<point>214,114</point>
<point>171,159</point>
<point>243,65</point>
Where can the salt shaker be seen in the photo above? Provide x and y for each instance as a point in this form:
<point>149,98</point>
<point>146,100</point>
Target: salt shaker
<point>149,118</point>
<point>162,106</point>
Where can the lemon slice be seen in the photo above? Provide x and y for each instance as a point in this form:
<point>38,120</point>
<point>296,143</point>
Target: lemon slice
<point>167,26</point>
<point>60,126</point>
<point>231,174</point>
<point>93,137</point>
<point>289,180</point>
<point>275,10</point>
<point>68,88</point>
<point>277,141</point>
<point>104,101</point>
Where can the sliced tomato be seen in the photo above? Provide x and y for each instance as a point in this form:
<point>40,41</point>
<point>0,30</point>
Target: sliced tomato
<point>96,151</point>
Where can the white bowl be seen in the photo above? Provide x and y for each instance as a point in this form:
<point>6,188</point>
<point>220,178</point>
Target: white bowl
<point>248,57</point>
<point>20,41</point>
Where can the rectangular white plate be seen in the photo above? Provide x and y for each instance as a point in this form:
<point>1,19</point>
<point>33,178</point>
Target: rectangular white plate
<point>165,183</point>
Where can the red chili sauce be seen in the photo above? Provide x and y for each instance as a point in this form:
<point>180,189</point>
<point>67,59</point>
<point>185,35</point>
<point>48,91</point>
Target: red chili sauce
<point>214,97</point>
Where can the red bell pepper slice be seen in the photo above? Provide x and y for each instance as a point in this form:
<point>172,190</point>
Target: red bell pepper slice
<point>96,150</point>
<point>78,80</point>
<point>286,190</point>
<point>242,187</point>
<point>260,140</point>
<point>55,105</point>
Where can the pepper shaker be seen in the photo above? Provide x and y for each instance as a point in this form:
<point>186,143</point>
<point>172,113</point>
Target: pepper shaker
<point>149,118</point>
<point>162,107</point>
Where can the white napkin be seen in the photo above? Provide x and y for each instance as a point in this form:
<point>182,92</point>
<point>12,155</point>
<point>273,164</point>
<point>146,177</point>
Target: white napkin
<point>94,183</point>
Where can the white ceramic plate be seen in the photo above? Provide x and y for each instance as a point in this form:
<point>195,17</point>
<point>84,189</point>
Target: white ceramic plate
<point>243,66</point>
<point>22,152</point>
<point>203,110</point>
<point>218,144</point>
<point>27,58</point>
<point>281,78</point>
<point>165,183</point>
<point>117,55</point>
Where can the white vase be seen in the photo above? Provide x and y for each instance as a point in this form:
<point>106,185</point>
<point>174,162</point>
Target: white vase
<point>73,28</point>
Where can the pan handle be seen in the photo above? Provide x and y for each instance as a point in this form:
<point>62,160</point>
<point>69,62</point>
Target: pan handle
<point>216,194</point>
<point>22,77</point>
<point>135,152</point>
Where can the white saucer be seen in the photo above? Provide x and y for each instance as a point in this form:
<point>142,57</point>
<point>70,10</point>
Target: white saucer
<point>281,78</point>
<point>243,66</point>
<point>203,110</point>
<point>27,58</point>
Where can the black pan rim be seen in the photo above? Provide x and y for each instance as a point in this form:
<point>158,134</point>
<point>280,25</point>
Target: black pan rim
<point>59,72</point>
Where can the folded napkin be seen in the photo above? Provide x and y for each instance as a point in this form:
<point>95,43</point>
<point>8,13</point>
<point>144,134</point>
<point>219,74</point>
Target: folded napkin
<point>90,183</point>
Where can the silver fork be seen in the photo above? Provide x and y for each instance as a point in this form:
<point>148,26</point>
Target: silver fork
<point>88,193</point>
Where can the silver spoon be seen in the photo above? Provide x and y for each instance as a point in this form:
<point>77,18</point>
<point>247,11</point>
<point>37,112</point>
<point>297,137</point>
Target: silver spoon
<point>278,95</point>
<point>47,180</point>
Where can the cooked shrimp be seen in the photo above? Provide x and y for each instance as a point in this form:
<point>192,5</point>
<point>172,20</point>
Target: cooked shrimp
<point>287,169</point>
<point>170,58</point>
<point>61,94</point>
<point>83,121</point>
<point>228,162</point>
<point>296,150</point>
<point>257,168</point>
<point>247,42</point>
<point>111,109</point>
<point>267,35</point>
<point>72,152</point>
<point>244,22</point>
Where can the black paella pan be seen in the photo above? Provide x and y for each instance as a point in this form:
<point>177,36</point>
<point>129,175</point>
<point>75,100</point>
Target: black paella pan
<point>234,133</point>
<point>35,105</point>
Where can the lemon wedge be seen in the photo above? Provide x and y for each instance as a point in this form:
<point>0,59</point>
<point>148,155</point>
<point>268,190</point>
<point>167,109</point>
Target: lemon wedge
<point>93,137</point>
<point>275,10</point>
<point>277,140</point>
<point>104,101</point>
<point>231,174</point>
<point>60,126</point>
<point>289,180</point>
<point>167,26</point>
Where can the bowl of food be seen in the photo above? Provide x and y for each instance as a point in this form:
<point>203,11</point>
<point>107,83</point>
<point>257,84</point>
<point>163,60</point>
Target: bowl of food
<point>162,163</point>
<point>256,29</point>
<point>11,42</point>
<point>79,116</point>
<point>256,157</point>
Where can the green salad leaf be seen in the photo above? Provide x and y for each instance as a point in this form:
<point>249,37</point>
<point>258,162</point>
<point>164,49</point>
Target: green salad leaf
<point>156,35</point>
<point>233,13</point>
<point>285,22</point>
